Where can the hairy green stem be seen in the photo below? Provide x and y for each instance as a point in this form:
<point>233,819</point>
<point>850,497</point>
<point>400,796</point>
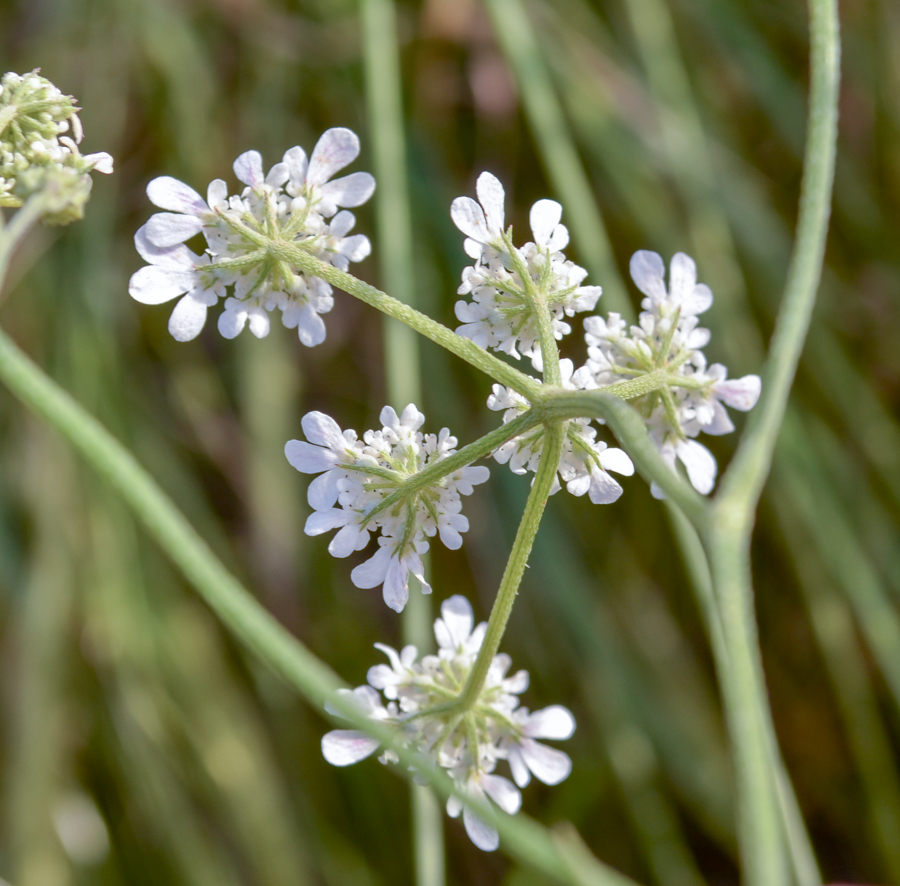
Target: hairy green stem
<point>515,566</point>
<point>438,333</point>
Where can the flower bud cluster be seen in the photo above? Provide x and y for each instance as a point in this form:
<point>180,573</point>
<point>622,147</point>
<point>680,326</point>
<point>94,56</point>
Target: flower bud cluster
<point>668,338</point>
<point>506,282</point>
<point>418,702</point>
<point>585,462</point>
<point>361,476</point>
<point>295,204</point>
<point>39,135</point>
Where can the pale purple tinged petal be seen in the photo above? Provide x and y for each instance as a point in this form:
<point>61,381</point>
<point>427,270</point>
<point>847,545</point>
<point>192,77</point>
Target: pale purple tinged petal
<point>699,463</point>
<point>480,833</point>
<point>248,168</point>
<point>553,722</point>
<point>326,520</point>
<point>372,573</point>
<point>739,393</point>
<point>334,150</point>
<point>187,319</point>
<point>617,460</point>
<point>491,197</point>
<point>503,792</point>
<point>682,279</point>
<point>647,270</point>
<point>350,190</point>
<point>323,430</point>
<point>169,193</point>
<point>544,217</point>
<point>153,286</point>
<point>343,747</point>
<point>548,764</point>
<point>468,216</point>
<point>396,584</point>
<point>168,229</point>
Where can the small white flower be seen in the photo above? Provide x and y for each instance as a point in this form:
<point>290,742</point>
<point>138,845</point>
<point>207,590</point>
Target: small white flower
<point>505,281</point>
<point>584,463</point>
<point>356,479</point>
<point>667,337</point>
<point>290,203</point>
<point>495,727</point>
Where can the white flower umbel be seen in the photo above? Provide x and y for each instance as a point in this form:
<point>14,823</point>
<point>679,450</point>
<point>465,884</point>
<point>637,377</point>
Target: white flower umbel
<point>295,203</point>
<point>468,744</point>
<point>585,462</point>
<point>39,136</point>
<point>357,479</point>
<point>506,282</point>
<point>667,338</point>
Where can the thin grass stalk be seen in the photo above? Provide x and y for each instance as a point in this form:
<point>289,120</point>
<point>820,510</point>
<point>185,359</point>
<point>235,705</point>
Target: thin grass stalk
<point>384,101</point>
<point>557,149</point>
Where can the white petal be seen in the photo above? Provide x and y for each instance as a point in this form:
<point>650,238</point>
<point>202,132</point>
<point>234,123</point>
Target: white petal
<point>309,459</point>
<point>297,164</point>
<point>603,490</point>
<point>343,747</point>
<point>323,491</point>
<point>153,286</point>
<point>721,422</point>
<point>548,764</point>
<point>559,239</point>
<point>700,299</point>
<point>450,537</point>
<point>169,193</point>
<point>326,520</point>
<point>468,216</point>
<point>553,722</point>
<point>682,278</point>
<point>102,161</point>
<point>357,247</point>
<point>579,485</point>
<point>173,258</point>
<point>396,584</point>
<point>346,541</point>
<point>372,573</point>
<point>491,197</point>
<point>519,769</point>
<point>278,175</point>
<point>231,322</point>
<point>323,430</point>
<point>617,460</point>
<point>480,833</point>
<point>647,271</point>
<point>170,229</point>
<point>335,149</point>
<point>187,319</point>
<point>259,323</point>
<point>350,190</point>
<point>503,792</point>
<point>217,192</point>
<point>456,612</point>
<point>544,217</point>
<point>739,393</point>
<point>310,328</point>
<point>700,465</point>
<point>248,168</point>
<point>454,806</point>
<point>342,224</point>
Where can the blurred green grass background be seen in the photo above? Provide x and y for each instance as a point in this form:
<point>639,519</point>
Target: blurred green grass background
<point>124,699</point>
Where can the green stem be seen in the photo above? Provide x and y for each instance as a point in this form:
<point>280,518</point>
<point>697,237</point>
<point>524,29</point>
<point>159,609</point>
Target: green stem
<point>463,348</point>
<point>523,838</point>
<point>25,218</point>
<point>515,566</point>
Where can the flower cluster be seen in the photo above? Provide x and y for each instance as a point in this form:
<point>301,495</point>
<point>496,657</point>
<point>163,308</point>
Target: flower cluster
<point>36,153</point>
<point>585,462</point>
<point>507,283</point>
<point>294,205</point>
<point>372,482</point>
<point>668,338</point>
<point>418,704</point>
